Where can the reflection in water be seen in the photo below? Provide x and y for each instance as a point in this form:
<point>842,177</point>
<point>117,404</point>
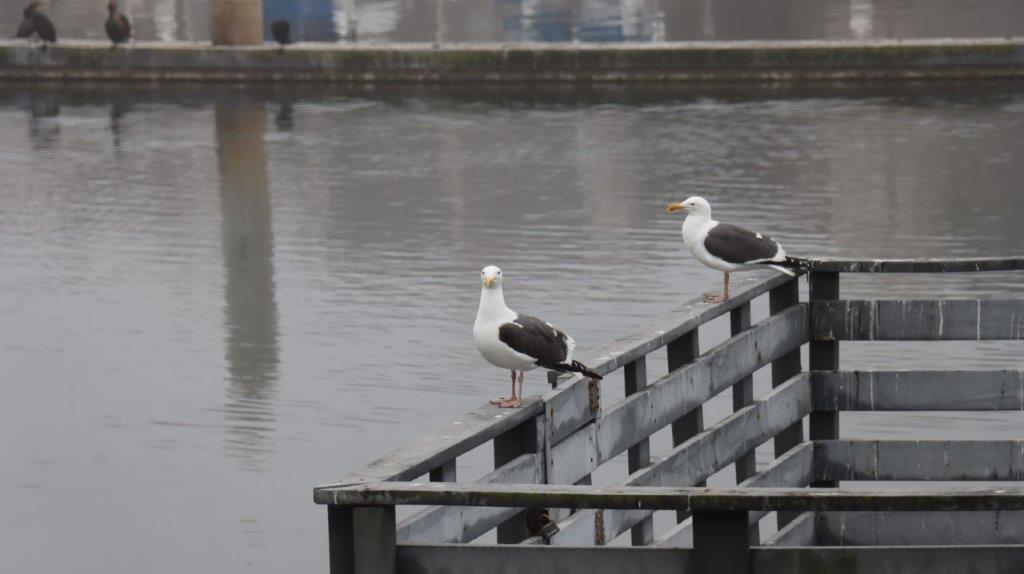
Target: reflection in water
<point>283,118</point>
<point>43,126</point>
<point>250,307</point>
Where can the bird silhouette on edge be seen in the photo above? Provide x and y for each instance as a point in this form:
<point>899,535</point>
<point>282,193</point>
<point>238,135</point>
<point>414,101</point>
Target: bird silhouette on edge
<point>119,29</point>
<point>35,22</point>
<point>281,30</point>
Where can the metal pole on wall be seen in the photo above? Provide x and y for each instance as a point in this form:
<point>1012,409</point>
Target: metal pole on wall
<point>236,22</point>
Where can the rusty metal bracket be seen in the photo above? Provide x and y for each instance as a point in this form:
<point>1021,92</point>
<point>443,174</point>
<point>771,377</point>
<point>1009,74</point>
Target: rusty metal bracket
<point>599,527</point>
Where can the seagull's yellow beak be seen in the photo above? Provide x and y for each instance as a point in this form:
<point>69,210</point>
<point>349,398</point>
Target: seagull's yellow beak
<point>674,207</point>
<point>488,281</point>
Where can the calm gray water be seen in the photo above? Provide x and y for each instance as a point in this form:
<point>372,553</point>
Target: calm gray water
<point>557,20</point>
<point>210,300</point>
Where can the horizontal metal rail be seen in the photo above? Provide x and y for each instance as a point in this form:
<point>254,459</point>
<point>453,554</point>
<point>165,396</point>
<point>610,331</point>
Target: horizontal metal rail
<point>919,460</point>
<point>919,528</point>
<point>949,265</point>
<point>917,320</point>
<point>1001,390</point>
<point>442,559</point>
<point>694,499</point>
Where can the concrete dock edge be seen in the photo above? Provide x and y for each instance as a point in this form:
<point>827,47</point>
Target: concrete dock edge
<point>677,62</point>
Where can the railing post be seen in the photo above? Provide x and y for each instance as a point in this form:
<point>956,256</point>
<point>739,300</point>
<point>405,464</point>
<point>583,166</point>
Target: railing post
<point>824,356</point>
<point>362,539</point>
<point>681,351</point>
<point>523,439</point>
<point>784,368</point>
<point>721,544</point>
<point>742,396</point>
<point>639,456</point>
<point>742,391</point>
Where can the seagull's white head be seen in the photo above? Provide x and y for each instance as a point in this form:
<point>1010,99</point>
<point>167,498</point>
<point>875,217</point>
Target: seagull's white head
<point>491,277</point>
<point>695,205</point>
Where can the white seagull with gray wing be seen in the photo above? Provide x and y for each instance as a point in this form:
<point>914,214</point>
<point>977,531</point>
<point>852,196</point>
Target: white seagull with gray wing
<point>727,247</point>
<point>519,342</point>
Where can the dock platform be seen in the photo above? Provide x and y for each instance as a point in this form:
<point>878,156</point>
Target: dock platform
<point>548,518</point>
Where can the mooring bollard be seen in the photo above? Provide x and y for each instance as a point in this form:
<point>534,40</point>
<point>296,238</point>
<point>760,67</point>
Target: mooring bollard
<point>236,22</point>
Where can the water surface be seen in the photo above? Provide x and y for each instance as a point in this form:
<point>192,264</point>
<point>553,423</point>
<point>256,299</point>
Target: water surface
<point>211,300</point>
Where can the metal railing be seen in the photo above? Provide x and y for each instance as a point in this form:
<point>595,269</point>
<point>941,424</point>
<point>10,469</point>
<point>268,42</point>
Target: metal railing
<point>563,436</point>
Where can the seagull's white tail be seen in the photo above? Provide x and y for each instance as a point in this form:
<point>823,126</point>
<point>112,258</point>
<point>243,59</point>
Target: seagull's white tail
<point>784,270</point>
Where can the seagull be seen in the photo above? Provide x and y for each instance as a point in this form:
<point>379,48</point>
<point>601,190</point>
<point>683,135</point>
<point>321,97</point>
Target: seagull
<point>119,29</point>
<point>518,342</point>
<point>36,22</point>
<point>727,247</point>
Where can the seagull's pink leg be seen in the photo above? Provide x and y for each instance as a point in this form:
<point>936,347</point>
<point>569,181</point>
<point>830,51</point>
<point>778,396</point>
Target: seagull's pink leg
<point>500,401</point>
<point>725,292</point>
<point>515,400</point>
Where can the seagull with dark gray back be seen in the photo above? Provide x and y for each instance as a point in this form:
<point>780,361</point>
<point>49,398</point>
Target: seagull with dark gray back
<point>519,342</point>
<point>727,247</point>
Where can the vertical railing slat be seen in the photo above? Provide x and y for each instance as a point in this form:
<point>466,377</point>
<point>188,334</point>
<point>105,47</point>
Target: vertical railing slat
<point>785,367</point>
<point>523,439</point>
<point>639,455</point>
<point>681,351</point>
<point>824,356</point>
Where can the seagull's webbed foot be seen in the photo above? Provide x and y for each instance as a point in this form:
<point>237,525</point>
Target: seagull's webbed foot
<point>709,298</point>
<point>509,403</point>
<point>500,400</point>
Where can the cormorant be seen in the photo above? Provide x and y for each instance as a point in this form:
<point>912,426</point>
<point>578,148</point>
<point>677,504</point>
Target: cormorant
<point>281,31</point>
<point>119,29</point>
<point>35,22</point>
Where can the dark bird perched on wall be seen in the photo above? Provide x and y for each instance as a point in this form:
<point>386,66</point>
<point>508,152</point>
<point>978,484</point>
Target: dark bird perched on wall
<point>119,29</point>
<point>282,32</point>
<point>35,22</point>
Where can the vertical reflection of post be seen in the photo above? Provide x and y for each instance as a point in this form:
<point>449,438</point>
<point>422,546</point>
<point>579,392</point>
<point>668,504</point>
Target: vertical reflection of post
<point>250,307</point>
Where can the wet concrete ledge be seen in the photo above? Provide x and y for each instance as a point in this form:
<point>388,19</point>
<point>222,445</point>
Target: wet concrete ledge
<point>677,62</point>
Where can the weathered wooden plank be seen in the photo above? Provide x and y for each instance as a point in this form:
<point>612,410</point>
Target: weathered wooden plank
<point>890,559</point>
<point>917,320</point>
<point>919,528</point>
<point>700,457</point>
<point>919,460</point>
<point>952,265</point>
<point>918,390</point>
<point>794,468</point>
<point>437,448</point>
<point>799,532</point>
<point>670,498</point>
<point>444,524</point>
<point>643,413</point>
<point>568,404</point>
<point>519,559</point>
